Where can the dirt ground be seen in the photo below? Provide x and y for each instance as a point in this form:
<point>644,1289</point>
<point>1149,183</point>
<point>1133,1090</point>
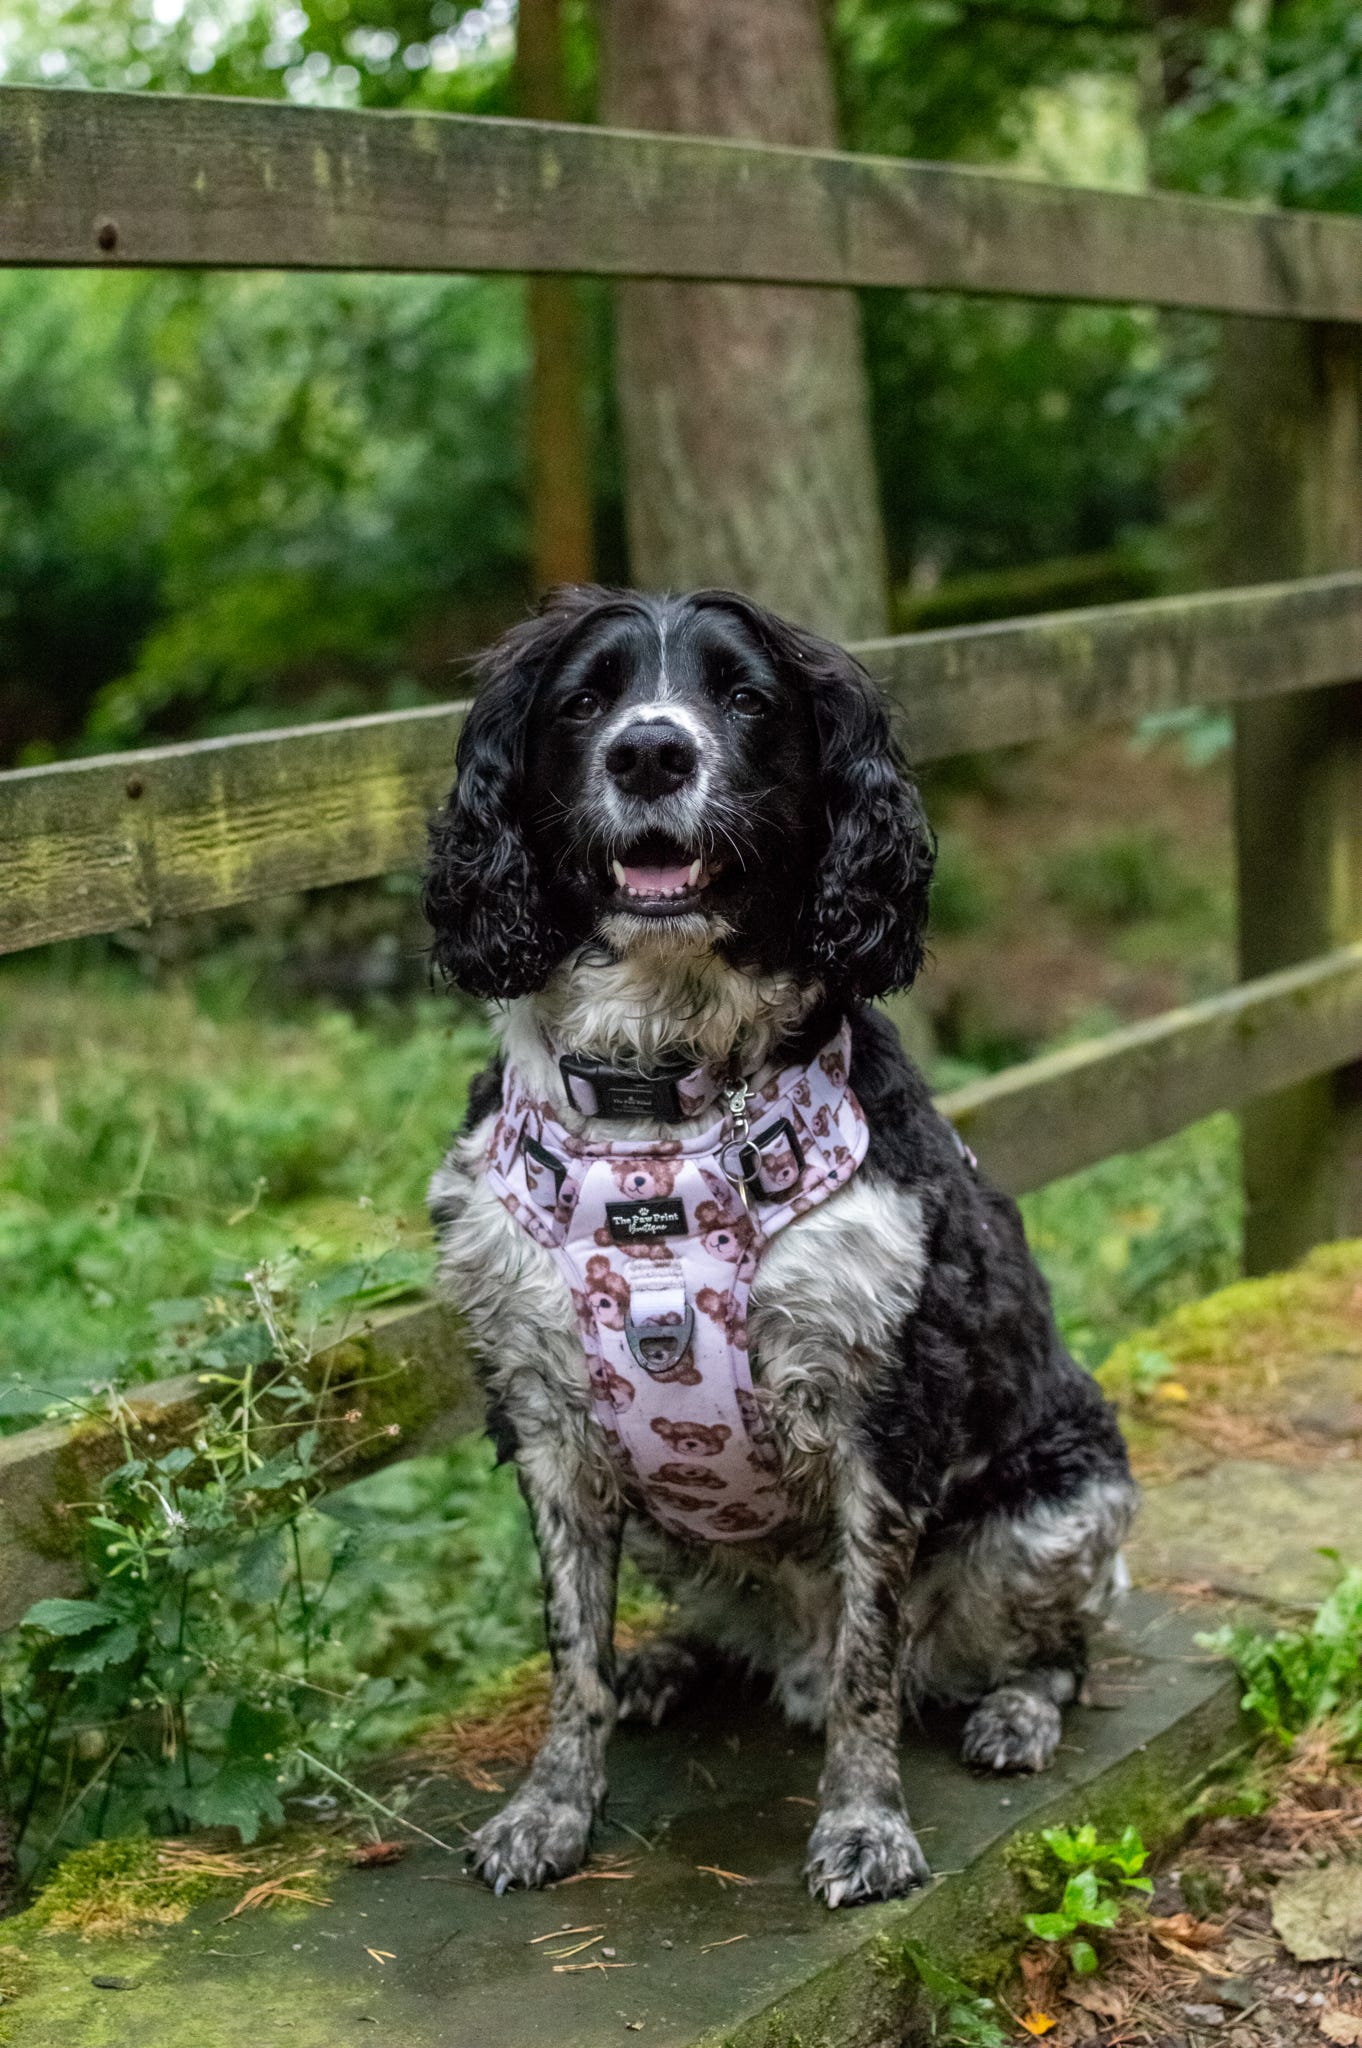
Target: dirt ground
<point>1205,1960</point>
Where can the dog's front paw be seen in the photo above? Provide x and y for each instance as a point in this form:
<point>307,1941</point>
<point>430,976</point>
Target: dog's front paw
<point>1011,1730</point>
<point>859,1853</point>
<point>534,1839</point>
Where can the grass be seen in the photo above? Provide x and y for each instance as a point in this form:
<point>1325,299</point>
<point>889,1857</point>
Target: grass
<point>156,1139</point>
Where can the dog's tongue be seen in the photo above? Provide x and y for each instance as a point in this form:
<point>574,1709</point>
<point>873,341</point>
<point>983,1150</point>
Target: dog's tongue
<point>656,881</point>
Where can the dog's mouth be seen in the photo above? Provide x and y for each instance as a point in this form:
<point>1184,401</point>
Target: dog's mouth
<point>658,877</point>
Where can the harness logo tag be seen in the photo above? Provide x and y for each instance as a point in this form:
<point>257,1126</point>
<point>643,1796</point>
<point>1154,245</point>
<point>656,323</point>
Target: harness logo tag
<point>629,1221</point>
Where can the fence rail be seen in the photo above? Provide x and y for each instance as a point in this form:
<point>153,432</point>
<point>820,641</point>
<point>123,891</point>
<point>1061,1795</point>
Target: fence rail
<point>119,179</point>
<point>1034,1123</point>
<point>120,840</point>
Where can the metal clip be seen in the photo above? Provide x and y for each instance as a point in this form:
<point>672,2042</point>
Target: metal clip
<point>735,1102</point>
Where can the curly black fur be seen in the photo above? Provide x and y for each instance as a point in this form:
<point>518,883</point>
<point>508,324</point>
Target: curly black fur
<point>826,856</point>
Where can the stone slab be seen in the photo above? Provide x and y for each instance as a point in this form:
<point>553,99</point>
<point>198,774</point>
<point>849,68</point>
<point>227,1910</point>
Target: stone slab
<point>705,1960</point>
<point>1252,1529</point>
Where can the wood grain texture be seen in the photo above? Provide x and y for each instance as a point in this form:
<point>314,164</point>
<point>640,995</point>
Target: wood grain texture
<point>120,840</point>
<point>406,1371</point>
<point>1289,433</point>
<point>1034,1123</point>
<point>219,822</point>
<point>1052,1116</point>
<point>116,179</point>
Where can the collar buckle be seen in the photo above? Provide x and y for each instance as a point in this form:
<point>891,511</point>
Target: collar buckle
<point>595,1089</point>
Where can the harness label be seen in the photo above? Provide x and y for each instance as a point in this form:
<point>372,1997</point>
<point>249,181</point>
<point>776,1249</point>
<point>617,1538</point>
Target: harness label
<point>630,1221</point>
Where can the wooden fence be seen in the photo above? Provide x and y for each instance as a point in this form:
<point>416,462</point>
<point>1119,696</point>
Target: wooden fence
<point>113,180</point>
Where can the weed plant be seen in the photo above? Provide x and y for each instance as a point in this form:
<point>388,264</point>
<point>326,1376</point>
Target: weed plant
<point>1089,1875</point>
<point>1308,1677</point>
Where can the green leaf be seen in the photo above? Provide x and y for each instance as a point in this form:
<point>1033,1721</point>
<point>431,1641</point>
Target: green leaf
<point>68,1617</point>
<point>242,1794</point>
<point>114,1646</point>
<point>260,1566</point>
<point>1049,1926</point>
<point>245,1344</point>
<point>1081,1894</point>
<point>1083,1956</point>
<point>257,1732</point>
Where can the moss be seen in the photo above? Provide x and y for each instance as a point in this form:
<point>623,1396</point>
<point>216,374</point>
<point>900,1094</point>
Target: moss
<point>1235,1372</point>
<point>117,1887</point>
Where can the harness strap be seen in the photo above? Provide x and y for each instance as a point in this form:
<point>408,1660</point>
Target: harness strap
<point>660,1242</point>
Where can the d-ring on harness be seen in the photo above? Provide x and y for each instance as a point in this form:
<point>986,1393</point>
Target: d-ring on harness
<point>660,1242</point>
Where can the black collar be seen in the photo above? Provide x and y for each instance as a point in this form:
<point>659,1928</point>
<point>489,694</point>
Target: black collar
<point>671,1094</point>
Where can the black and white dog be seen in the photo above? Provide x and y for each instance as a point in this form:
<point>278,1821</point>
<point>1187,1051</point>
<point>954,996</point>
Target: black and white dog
<point>681,831</point>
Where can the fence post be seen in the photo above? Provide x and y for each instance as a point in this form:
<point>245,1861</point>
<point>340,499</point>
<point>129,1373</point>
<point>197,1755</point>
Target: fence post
<point>561,513</point>
<point>1290,469</point>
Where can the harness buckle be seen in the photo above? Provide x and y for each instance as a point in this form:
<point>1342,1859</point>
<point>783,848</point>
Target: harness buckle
<point>657,1347</point>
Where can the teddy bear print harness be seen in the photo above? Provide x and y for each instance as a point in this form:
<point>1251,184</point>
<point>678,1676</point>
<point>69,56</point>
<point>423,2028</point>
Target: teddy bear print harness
<point>660,1242</point>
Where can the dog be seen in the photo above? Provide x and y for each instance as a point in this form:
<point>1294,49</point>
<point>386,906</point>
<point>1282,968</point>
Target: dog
<point>682,831</point>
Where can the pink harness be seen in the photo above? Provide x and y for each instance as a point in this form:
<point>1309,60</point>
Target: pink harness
<point>660,1243</point>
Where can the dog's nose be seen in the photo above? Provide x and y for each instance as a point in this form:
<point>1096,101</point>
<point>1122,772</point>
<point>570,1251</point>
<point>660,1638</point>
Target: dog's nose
<point>651,758</point>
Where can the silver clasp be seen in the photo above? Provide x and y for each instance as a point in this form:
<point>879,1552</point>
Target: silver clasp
<point>735,1102</point>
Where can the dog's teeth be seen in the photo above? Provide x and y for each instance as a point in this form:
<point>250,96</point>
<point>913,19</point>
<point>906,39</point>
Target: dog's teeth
<point>693,874</point>
<point>617,870</point>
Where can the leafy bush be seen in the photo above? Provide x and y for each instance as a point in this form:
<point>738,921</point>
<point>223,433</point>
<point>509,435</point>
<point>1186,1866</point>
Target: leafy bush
<point>1306,1677</point>
<point>235,1642</point>
<point>1116,880</point>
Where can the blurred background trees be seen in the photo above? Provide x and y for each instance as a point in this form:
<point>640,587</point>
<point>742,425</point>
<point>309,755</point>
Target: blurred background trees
<point>232,499</point>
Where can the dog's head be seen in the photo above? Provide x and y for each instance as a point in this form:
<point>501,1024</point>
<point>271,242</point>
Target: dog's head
<point>688,773</point>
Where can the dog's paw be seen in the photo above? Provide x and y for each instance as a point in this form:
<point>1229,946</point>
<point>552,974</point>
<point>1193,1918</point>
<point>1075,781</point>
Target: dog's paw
<point>1011,1730</point>
<point>534,1839</point>
<point>859,1853</point>
<point>655,1679</point>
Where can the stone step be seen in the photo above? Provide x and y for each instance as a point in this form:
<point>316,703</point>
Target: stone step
<point>701,1958</point>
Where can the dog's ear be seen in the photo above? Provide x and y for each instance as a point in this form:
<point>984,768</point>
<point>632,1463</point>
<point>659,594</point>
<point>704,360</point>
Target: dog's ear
<point>869,913</point>
<point>867,921</point>
<point>494,935</point>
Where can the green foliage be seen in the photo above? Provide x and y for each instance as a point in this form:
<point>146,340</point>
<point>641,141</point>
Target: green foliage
<point>159,1139</point>
<point>1273,108</point>
<point>1128,1240</point>
<point>237,1634</point>
<point>1304,1677</point>
<point>226,498</point>
<point>961,895</point>
<point>1092,1871</point>
<point>1119,879</point>
<point>960,2017</point>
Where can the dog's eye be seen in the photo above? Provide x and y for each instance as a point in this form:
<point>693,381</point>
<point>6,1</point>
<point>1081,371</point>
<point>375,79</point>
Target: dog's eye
<point>581,705</point>
<point>743,699</point>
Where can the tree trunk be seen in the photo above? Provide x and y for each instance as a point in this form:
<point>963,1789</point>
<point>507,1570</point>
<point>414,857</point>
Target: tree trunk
<point>560,457</point>
<point>744,408</point>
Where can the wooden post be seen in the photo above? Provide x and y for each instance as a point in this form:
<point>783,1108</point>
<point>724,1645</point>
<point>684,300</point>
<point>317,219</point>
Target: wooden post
<point>560,458</point>
<point>1291,503</point>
